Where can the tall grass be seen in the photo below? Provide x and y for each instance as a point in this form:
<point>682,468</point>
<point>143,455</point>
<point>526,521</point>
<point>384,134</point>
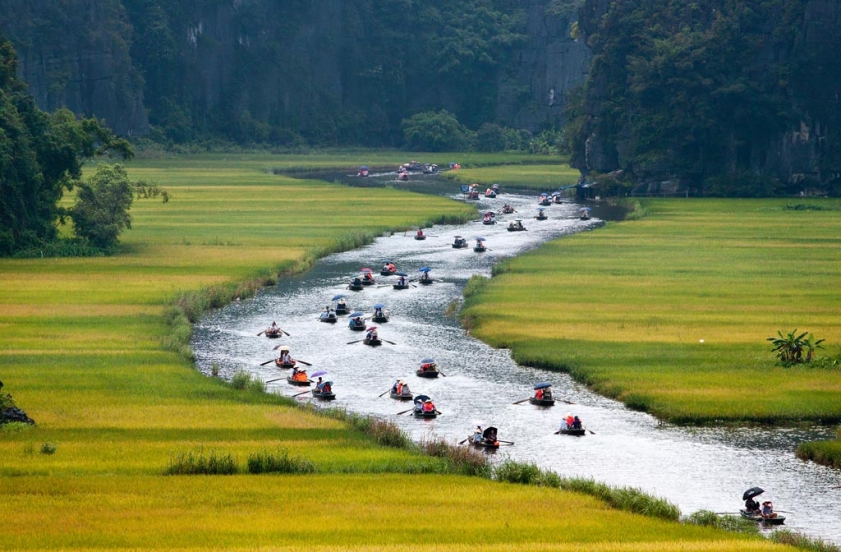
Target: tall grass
<point>278,462</point>
<point>802,542</point>
<point>827,453</point>
<point>201,463</point>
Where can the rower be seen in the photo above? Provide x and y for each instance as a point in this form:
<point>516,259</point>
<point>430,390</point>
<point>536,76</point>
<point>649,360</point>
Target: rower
<point>477,435</point>
<point>428,406</point>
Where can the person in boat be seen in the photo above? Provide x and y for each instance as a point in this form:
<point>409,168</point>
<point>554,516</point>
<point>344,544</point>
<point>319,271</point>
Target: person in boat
<point>569,420</point>
<point>341,304</point>
<point>767,511</point>
<point>378,313</point>
<point>489,192</point>
<point>401,281</point>
<point>491,437</point>
<point>547,393</point>
<point>402,387</point>
<point>326,312</point>
<point>427,367</point>
<point>538,394</point>
<point>371,335</point>
<point>419,233</point>
<point>356,281</point>
<point>418,406</point>
<point>326,387</point>
<point>273,328</point>
<point>429,406</point>
<point>300,375</point>
<point>751,506</point>
<point>368,277</point>
<point>285,358</point>
<point>576,423</point>
<point>425,277</point>
<point>319,383</point>
<point>477,435</point>
<point>564,424</point>
<point>356,322</point>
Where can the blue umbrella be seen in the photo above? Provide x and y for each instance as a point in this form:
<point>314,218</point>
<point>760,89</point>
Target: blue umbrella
<point>424,269</point>
<point>401,273</point>
<point>480,239</point>
<point>428,361</point>
<point>584,209</point>
<point>421,398</point>
<point>379,306</point>
<point>355,314</point>
<point>544,194</point>
<point>319,373</point>
<point>541,209</point>
<point>541,385</point>
<point>337,297</point>
<point>363,168</point>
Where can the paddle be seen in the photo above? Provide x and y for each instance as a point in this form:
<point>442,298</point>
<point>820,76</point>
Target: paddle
<point>442,373</point>
<point>399,413</point>
<point>274,380</point>
<point>591,431</point>
<point>557,432</point>
<point>299,394</point>
<point>305,363</point>
<point>261,333</point>
<point>387,341</point>
<point>268,361</point>
<point>352,342</point>
<point>522,401</point>
<point>383,393</point>
<point>441,414</point>
<point>462,442</point>
<point>287,333</point>
<point>506,442</point>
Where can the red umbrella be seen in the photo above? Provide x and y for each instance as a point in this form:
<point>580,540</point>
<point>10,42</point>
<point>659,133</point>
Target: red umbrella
<point>367,270</point>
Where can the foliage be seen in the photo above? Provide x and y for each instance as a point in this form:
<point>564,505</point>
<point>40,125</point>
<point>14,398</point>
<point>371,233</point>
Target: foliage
<point>791,348</point>
<point>736,524</point>
<point>802,542</point>
<point>490,138</point>
<point>827,453</point>
<point>431,131</point>
<point>102,205</point>
<point>48,448</point>
<point>278,462</point>
<point>41,156</point>
<point>243,380</point>
<point>199,463</point>
<point>564,8</point>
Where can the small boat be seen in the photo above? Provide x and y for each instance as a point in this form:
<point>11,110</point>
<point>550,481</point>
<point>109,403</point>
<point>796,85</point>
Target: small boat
<point>459,242</point>
<point>542,402</point>
<point>372,342</point>
<point>427,373</point>
<point>428,369</point>
<point>418,411</point>
<point>355,287</point>
<point>556,199</point>
<point>301,383</point>
<point>387,272</point>
<point>322,395</point>
<point>544,200</point>
<point>398,286</point>
<point>368,281</point>
<point>342,309</point>
<point>507,209</point>
<point>585,217</point>
<point>272,333</point>
<point>380,319</point>
<point>490,194</point>
<point>585,213</point>
<point>356,323</point>
<point>285,365</point>
<point>570,431</point>
<point>328,317</point>
<point>541,216</point>
<point>479,247</point>
<point>406,395</point>
<point>488,441</point>
<point>516,226</point>
<point>383,316</point>
<point>753,516</point>
<point>474,195</point>
<point>426,281</point>
<point>420,237</point>
<point>488,218</point>
<point>421,414</point>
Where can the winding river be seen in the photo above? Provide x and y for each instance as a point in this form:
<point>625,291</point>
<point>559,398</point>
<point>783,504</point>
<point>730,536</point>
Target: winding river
<point>696,468</point>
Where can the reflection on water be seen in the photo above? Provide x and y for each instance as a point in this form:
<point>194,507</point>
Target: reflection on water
<point>694,467</point>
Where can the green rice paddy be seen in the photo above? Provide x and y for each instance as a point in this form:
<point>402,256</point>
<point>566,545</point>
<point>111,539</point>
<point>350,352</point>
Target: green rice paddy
<point>541,177</point>
<point>82,351</point>
<point>670,313</point>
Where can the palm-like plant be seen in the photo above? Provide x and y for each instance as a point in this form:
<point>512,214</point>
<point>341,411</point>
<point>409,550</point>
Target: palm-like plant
<point>794,349</point>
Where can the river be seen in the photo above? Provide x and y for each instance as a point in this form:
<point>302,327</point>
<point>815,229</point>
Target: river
<point>696,468</point>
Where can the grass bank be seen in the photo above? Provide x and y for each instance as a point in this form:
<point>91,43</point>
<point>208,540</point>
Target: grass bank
<point>670,313</point>
<point>82,351</point>
<point>543,177</point>
<point>827,453</point>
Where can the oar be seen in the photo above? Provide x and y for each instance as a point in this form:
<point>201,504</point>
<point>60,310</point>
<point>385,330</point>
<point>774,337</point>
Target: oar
<point>441,414</point>
<point>299,394</point>
<point>462,442</point>
<point>399,413</point>
<point>383,393</point>
<point>387,341</point>
<point>506,442</point>
<point>557,432</point>
<point>522,401</point>
<point>352,342</point>
<point>442,373</point>
<point>268,361</point>
<point>566,401</point>
<point>274,380</point>
<point>261,333</point>
<point>287,333</point>
<point>591,431</point>
<point>305,363</point>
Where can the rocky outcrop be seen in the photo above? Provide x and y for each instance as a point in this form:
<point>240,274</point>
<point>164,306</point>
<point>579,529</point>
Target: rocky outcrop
<point>76,55</point>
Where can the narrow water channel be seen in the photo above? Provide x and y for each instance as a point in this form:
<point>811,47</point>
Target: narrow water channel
<point>696,468</point>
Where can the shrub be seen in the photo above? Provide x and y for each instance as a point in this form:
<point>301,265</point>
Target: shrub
<point>196,463</point>
<point>490,138</point>
<point>794,349</point>
<point>728,523</point>
<point>802,542</point>
<point>242,380</point>
<point>460,460</point>
<point>278,462</point>
<point>48,448</point>
<point>431,131</point>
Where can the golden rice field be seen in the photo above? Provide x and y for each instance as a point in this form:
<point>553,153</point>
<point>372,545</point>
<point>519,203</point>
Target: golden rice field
<point>670,313</point>
<point>81,350</point>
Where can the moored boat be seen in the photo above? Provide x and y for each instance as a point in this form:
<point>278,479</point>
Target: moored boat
<point>753,516</point>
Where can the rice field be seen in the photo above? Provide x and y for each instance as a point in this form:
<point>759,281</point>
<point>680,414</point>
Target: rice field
<point>541,177</point>
<point>670,313</point>
<point>82,351</point>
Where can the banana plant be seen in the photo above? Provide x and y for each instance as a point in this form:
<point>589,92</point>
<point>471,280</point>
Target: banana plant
<point>794,349</point>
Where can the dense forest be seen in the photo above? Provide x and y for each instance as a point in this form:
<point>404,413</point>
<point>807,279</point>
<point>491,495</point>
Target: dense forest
<point>724,97</point>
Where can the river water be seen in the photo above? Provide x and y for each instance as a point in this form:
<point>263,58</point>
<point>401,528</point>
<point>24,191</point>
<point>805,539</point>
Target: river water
<point>696,468</point>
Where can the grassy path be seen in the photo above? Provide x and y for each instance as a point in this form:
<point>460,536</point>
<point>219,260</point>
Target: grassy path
<point>670,313</point>
<point>81,351</point>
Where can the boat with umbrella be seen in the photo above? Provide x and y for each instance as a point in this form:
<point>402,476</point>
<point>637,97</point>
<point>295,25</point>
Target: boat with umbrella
<point>323,389</point>
<point>341,307</point>
<point>368,277</point>
<point>424,407</point>
<point>542,395</point>
<point>585,213</point>
<point>507,209</point>
<point>356,284</point>
<point>363,171</point>
<point>480,245</point>
<point>757,515</point>
<point>541,215</point>
<point>380,314</point>
<point>488,439</point>
<point>556,197</point>
<point>356,322</point>
<point>544,200</point>
<point>425,279</point>
<point>401,283</point>
<point>459,242</point>
<point>284,361</point>
<point>428,368</point>
<point>489,218</point>
<point>371,338</point>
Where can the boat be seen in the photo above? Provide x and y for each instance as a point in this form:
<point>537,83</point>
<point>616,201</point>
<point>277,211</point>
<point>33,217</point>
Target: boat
<point>420,237</point>
<point>406,395</point>
<point>322,395</point>
<point>541,215</point>
<point>398,286</point>
<point>489,440</point>
<point>363,171</point>
<point>425,279</point>
<point>356,323</point>
<point>570,431</point>
<point>353,286</point>
<point>285,365</point>
<point>754,516</point>
<point>459,242</point>
<point>272,333</point>
<point>428,369</point>
<point>516,226</point>
<point>585,213</point>
<point>489,218</point>
<point>375,342</point>
<point>542,402</point>
<point>368,281</point>
<point>556,199</point>
<point>544,200</point>
<point>342,308</point>
<point>301,383</point>
<point>383,316</point>
<point>507,209</point>
<point>328,317</point>
<point>490,194</point>
<point>480,247</point>
<point>585,217</point>
<point>418,412</point>
<point>474,195</point>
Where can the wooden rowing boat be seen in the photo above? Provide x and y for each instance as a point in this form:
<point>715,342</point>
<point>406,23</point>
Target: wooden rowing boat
<point>426,282</point>
<point>355,287</point>
<point>479,249</point>
<point>542,402</point>
<point>329,396</point>
<point>427,373</point>
<point>484,443</point>
<point>422,414</point>
<point>420,238</point>
<point>329,318</point>
<point>576,432</point>
<point>300,383</point>
<point>369,282</point>
<point>405,396</point>
<point>380,319</point>
<point>372,342</point>
<point>779,520</point>
<point>516,228</point>
<point>285,365</point>
<point>357,327</point>
<point>272,334</point>
<point>398,286</point>
<point>342,310</point>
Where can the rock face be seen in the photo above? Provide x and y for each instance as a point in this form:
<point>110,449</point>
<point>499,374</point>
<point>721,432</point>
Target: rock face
<point>75,55</point>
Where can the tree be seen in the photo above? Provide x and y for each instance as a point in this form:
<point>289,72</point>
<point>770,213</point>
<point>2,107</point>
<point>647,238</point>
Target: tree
<point>41,156</point>
<point>431,131</point>
<point>490,138</point>
<point>102,205</point>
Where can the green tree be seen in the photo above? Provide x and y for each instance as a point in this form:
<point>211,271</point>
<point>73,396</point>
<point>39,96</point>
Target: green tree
<point>490,137</point>
<point>41,156</point>
<point>431,131</point>
<point>102,205</point>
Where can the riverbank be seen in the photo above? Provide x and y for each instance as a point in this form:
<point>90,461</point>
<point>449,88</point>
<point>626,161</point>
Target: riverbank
<point>827,453</point>
<point>82,349</point>
<point>670,313</point>
<point>546,177</point>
